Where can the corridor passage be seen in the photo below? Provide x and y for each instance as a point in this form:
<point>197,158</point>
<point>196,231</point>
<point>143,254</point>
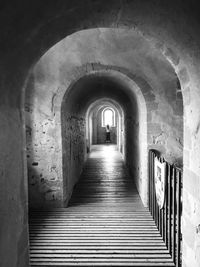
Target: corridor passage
<point>105,224</point>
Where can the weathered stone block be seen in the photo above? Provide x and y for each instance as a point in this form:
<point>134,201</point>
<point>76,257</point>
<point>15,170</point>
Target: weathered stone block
<point>192,183</point>
<point>187,96</point>
<point>152,106</point>
<point>178,108</point>
<point>149,96</point>
<point>169,93</point>
<point>189,232</point>
<point>179,96</point>
<point>171,55</point>
<point>186,158</point>
<point>149,117</point>
<point>154,128</point>
<point>187,138</point>
<point>184,76</point>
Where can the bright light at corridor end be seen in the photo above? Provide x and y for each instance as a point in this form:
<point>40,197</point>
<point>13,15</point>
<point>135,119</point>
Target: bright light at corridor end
<point>108,117</point>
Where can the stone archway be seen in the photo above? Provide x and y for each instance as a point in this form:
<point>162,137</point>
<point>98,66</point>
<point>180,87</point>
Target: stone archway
<point>123,90</point>
<point>168,39</point>
<point>104,102</point>
<point>156,99</point>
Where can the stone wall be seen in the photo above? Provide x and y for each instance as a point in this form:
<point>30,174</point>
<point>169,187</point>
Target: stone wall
<point>44,164</point>
<point>163,104</point>
<point>165,122</point>
<point>73,149</point>
<point>44,145</point>
<point>173,29</point>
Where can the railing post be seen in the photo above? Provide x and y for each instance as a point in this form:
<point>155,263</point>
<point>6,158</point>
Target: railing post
<point>178,238</point>
<point>153,190</point>
<point>162,222</point>
<point>166,212</point>
<point>168,219</point>
<point>169,209</point>
<point>174,214</point>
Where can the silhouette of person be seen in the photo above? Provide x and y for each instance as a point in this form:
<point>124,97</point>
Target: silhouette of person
<point>107,133</point>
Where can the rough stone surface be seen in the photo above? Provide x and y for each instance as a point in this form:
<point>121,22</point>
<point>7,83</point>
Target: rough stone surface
<point>25,37</point>
<point>45,91</point>
<point>73,149</point>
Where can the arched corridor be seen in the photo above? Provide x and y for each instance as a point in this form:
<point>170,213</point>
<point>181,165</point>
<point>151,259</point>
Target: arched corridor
<point>57,103</point>
<point>105,224</point>
<point>64,62</point>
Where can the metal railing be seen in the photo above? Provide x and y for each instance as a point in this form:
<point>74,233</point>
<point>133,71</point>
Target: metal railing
<point>168,219</point>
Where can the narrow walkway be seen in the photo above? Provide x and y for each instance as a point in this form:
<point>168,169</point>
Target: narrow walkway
<point>104,225</point>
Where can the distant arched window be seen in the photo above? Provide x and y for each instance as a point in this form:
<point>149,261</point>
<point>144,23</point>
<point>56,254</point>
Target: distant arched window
<point>108,117</point>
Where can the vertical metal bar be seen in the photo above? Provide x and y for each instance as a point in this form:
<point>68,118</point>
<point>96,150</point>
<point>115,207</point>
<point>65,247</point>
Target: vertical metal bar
<point>160,212</point>
<point>166,211</point>
<point>169,209</point>
<point>174,214</point>
<point>149,161</point>
<point>151,181</point>
<point>162,221</point>
<point>159,216</point>
<point>153,188</point>
<point>152,184</point>
<point>163,213</point>
<point>178,218</point>
<point>168,219</point>
<point>156,203</point>
<point>157,211</point>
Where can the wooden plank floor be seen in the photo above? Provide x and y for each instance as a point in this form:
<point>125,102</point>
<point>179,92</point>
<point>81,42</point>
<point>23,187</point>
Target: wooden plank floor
<point>105,224</point>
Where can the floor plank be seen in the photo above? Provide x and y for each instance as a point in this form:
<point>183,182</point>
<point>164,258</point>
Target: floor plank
<point>105,224</point>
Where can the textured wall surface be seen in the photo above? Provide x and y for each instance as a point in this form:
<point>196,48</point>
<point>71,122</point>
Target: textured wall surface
<point>44,145</point>
<point>73,149</point>
<point>52,77</point>
<point>172,27</point>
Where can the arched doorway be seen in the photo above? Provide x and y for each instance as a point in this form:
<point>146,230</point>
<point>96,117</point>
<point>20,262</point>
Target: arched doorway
<point>138,99</point>
<point>80,115</point>
<point>91,127</point>
<point>183,75</point>
<point>105,125</point>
